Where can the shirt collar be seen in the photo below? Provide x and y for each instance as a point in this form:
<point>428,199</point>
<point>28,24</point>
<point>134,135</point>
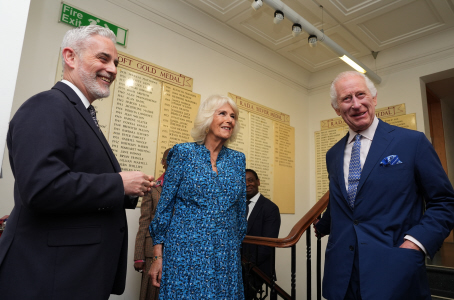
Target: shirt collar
<point>368,133</point>
<point>78,92</point>
<point>255,198</point>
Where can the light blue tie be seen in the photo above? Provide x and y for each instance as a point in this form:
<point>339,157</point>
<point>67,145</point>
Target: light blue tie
<point>354,171</point>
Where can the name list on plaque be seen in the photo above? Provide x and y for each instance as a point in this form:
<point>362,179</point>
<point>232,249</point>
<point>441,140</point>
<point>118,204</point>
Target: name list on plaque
<point>134,123</point>
<point>284,166</point>
<point>178,111</point>
<point>261,153</point>
<point>268,141</point>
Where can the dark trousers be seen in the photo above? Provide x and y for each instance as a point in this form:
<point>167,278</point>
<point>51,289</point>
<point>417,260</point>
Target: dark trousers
<point>354,290</point>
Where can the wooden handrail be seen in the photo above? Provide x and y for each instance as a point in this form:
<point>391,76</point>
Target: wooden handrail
<point>297,230</point>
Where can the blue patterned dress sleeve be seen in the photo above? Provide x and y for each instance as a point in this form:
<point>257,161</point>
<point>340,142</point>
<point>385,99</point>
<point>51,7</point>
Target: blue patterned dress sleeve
<point>159,226</point>
<point>242,218</point>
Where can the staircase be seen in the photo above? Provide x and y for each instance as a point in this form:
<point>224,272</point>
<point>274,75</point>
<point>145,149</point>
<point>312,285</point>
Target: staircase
<point>441,282</point>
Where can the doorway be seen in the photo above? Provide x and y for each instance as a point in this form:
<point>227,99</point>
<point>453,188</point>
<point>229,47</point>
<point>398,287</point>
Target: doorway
<point>440,104</point>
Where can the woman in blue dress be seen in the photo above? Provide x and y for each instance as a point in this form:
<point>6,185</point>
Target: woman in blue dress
<point>201,216</point>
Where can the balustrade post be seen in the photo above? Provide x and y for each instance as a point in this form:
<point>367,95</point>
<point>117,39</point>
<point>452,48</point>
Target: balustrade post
<point>293,270</point>
<point>308,263</point>
<point>319,268</point>
<point>273,294</point>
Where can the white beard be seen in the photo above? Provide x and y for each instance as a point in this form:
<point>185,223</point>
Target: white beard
<point>93,87</point>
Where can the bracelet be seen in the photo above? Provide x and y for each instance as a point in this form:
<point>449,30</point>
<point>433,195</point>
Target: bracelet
<point>155,258</point>
<point>139,260</point>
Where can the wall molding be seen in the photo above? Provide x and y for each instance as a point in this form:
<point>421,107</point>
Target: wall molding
<point>195,35</point>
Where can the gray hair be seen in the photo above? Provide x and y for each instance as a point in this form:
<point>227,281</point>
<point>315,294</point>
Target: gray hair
<point>333,93</point>
<point>205,116</point>
<point>76,38</point>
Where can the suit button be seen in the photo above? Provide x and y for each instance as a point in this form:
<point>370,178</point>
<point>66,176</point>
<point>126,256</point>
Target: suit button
<point>122,229</point>
<point>351,248</point>
<point>356,222</point>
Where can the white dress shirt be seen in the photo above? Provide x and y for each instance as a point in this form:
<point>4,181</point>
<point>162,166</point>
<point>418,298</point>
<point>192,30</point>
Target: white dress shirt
<point>252,204</point>
<point>367,136</point>
<point>78,92</point>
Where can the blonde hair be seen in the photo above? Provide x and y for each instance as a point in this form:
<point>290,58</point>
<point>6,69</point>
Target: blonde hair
<point>205,116</point>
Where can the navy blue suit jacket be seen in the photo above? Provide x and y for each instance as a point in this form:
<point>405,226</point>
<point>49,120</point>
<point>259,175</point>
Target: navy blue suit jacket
<point>66,237</point>
<point>264,221</point>
<point>390,204</point>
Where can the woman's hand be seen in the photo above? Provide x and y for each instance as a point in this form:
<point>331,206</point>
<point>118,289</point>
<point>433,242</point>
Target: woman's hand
<point>155,272</point>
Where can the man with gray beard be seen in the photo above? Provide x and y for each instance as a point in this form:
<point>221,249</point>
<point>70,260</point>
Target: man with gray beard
<point>67,234</point>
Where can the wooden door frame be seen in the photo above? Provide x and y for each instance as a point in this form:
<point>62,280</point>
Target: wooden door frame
<point>437,134</point>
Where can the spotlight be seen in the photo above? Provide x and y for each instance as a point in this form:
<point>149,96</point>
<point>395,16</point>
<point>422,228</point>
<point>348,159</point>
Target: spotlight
<point>257,4</point>
<point>278,16</point>
<point>296,29</point>
<point>312,40</point>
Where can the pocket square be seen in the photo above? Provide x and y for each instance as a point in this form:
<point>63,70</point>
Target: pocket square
<point>390,161</point>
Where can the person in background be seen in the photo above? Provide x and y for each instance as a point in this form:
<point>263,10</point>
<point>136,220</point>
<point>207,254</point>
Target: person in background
<point>390,203</point>
<point>263,219</point>
<point>200,220</point>
<point>67,236</point>
<point>143,253</point>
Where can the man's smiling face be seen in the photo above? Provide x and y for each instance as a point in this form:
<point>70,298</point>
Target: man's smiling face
<point>355,102</point>
<point>96,68</point>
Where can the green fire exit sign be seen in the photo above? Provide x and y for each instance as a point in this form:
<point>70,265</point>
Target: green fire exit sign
<point>76,17</point>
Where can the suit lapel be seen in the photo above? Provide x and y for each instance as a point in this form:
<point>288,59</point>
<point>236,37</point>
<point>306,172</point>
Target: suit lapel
<point>381,141</point>
<point>79,106</point>
<point>255,212</point>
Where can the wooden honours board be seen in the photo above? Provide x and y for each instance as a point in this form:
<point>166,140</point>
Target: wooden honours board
<point>178,111</point>
<point>268,141</point>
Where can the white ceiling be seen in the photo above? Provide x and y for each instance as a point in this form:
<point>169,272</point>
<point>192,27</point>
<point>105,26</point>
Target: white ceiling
<point>359,27</point>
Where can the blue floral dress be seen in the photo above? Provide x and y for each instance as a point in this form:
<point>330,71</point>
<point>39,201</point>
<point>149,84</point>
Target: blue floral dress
<point>201,220</point>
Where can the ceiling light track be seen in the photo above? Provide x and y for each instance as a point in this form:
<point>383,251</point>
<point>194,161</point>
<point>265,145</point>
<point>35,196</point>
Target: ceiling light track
<point>291,15</point>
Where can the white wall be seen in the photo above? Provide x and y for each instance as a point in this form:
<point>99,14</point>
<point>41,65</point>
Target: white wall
<point>14,17</point>
<point>216,70</point>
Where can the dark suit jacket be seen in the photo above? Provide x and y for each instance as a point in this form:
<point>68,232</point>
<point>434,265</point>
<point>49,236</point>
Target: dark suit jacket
<point>265,221</point>
<point>67,234</point>
<point>389,205</point>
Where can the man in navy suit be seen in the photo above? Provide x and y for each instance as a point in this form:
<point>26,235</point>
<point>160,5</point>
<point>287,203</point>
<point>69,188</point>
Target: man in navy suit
<point>67,234</point>
<point>383,220</point>
<point>264,220</point>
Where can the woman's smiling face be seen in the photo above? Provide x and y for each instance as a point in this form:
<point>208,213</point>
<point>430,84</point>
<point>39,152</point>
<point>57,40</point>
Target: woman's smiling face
<point>223,123</point>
